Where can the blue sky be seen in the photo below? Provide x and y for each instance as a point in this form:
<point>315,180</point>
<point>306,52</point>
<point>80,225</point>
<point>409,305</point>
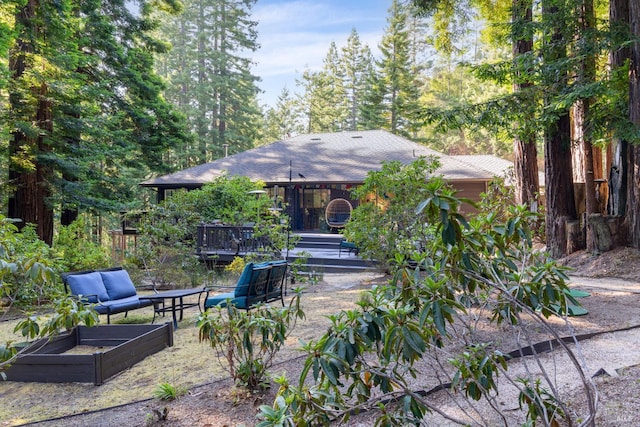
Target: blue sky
<point>295,35</point>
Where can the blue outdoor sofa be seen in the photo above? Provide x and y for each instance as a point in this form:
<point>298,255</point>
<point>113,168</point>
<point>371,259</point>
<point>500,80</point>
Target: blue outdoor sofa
<point>258,283</point>
<point>110,290</point>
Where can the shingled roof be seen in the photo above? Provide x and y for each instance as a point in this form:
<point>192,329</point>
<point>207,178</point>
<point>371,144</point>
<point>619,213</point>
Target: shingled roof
<point>343,157</point>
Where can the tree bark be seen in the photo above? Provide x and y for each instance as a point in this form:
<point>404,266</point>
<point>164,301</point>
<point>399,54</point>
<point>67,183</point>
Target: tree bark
<point>633,204</point>
<point>525,165</point>
<point>619,151</point>
<point>27,174</point>
<point>560,200</point>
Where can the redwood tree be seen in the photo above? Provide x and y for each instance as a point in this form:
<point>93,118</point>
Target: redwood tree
<point>29,176</point>
<point>633,205</point>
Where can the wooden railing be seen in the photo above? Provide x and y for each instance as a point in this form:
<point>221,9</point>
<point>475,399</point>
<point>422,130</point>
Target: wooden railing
<point>228,240</point>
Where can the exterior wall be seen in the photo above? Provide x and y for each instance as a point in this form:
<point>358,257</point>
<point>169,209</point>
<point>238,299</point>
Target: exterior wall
<point>469,190</point>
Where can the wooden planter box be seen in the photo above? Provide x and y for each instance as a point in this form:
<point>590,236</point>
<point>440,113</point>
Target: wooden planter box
<point>44,361</point>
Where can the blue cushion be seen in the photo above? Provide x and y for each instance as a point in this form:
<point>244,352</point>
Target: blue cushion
<point>118,284</point>
<point>221,300</point>
<point>88,284</point>
<point>122,304</point>
<point>242,286</point>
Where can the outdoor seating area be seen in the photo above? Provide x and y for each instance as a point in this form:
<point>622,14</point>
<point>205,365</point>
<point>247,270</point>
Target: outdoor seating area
<point>111,290</point>
<point>259,283</point>
<point>338,212</point>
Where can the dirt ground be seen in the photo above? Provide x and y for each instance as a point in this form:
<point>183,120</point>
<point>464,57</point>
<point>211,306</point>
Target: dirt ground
<point>612,279</point>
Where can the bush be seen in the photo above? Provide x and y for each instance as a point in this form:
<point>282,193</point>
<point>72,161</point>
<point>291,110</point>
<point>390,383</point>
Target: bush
<point>385,224</point>
<point>247,341</point>
<point>465,278</point>
<point>26,276</point>
<point>76,251</point>
<point>166,243</point>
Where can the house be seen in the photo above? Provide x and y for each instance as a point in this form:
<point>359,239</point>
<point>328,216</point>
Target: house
<point>309,171</point>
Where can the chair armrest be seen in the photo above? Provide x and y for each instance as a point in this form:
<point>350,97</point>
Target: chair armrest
<point>211,287</point>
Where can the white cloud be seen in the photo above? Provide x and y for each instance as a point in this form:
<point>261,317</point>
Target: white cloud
<point>296,35</point>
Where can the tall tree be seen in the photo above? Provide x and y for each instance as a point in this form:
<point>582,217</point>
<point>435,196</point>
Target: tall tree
<point>395,85</point>
<point>324,98</point>
<point>357,62</point>
<point>560,199</point>
<point>32,109</point>
<point>633,202</point>
<point>283,120</point>
<point>209,74</point>
<point>618,151</point>
<point>525,162</point>
<point>85,107</point>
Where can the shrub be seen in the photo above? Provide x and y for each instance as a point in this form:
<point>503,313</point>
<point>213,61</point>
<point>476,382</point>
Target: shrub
<point>466,277</point>
<point>166,391</point>
<point>167,232</point>
<point>385,224</point>
<point>247,341</point>
<point>26,277</point>
<point>76,251</point>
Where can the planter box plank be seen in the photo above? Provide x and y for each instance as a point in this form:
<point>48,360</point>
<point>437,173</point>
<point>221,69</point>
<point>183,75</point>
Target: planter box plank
<point>128,344</point>
<point>56,345</point>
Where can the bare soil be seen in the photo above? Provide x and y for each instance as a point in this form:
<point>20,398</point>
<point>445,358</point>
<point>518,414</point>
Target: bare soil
<point>612,279</point>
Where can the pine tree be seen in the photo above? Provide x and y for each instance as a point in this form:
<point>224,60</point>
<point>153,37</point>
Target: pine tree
<point>393,92</point>
<point>282,121</point>
<point>357,63</point>
<point>324,98</point>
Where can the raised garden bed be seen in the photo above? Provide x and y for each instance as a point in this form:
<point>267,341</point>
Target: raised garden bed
<point>45,361</point>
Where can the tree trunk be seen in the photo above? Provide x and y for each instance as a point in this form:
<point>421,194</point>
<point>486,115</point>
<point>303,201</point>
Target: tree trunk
<point>619,152</point>
<point>29,176</point>
<point>525,165</point>
<point>633,205</point>
<point>560,200</point>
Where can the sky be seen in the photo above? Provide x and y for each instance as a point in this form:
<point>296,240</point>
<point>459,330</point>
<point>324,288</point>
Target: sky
<point>295,35</point>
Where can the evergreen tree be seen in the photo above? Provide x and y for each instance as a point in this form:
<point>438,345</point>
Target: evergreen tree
<point>209,75</point>
<point>395,87</point>
<point>85,107</point>
<point>282,121</point>
<point>324,100</point>
<point>357,64</point>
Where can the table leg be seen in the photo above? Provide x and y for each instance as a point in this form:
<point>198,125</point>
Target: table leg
<point>181,308</point>
<point>173,313</point>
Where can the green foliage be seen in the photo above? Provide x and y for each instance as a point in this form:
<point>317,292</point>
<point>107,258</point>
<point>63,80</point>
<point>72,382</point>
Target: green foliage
<point>218,96</point>
<point>499,199</point>
<point>76,250</point>
<point>106,125</point>
<point>540,404</point>
<point>464,273</point>
<point>166,391</point>
<point>394,88</point>
<point>69,312</point>
<point>248,341</point>
<point>26,277</point>
<point>384,224</point>
<point>167,233</point>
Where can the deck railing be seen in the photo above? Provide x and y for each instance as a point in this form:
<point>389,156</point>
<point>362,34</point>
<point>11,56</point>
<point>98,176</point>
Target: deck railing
<point>215,239</point>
